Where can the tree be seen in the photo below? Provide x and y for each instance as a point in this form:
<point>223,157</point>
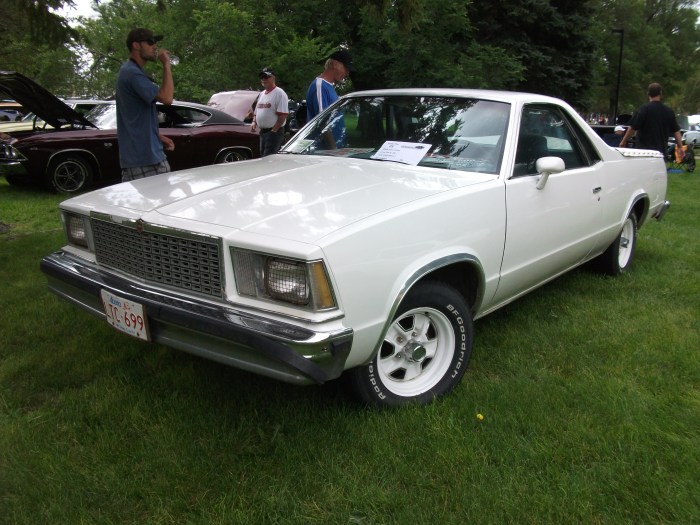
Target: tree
<point>33,41</point>
<point>563,48</point>
<point>661,40</point>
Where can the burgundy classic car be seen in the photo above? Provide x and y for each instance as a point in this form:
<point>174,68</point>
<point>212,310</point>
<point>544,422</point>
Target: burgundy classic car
<point>83,151</point>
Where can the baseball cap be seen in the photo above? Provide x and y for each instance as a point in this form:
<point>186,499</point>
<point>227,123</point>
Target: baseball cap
<point>141,34</point>
<point>620,128</point>
<point>267,73</point>
<point>343,57</point>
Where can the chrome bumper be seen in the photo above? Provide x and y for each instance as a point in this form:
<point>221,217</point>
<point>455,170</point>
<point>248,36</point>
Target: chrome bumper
<point>254,343</point>
<point>661,210</point>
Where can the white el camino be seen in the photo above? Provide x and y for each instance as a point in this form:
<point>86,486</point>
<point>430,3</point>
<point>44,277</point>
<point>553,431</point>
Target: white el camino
<point>368,245</point>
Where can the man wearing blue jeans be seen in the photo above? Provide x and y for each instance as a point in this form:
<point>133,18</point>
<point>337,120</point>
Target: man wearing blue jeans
<point>141,146</point>
<point>271,110</point>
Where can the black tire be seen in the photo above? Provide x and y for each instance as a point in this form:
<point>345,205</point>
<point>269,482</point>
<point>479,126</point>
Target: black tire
<point>617,258</point>
<point>70,174</point>
<point>424,353</point>
<point>231,155</point>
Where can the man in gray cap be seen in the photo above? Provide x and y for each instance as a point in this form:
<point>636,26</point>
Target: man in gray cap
<point>141,146</point>
<point>321,92</point>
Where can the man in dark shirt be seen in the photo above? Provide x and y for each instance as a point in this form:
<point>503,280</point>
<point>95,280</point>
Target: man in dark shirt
<point>653,123</point>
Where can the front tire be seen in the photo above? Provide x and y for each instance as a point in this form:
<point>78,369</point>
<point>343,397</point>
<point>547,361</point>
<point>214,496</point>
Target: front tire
<point>70,174</point>
<point>617,258</point>
<point>424,352</point>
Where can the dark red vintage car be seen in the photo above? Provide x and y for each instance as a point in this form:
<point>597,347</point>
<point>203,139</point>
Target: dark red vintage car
<point>81,152</point>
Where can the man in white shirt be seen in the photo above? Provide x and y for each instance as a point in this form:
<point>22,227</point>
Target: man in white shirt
<point>271,112</point>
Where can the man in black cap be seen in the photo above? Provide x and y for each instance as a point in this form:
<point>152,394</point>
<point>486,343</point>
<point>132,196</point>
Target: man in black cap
<point>271,110</point>
<point>321,92</point>
<point>141,146</point>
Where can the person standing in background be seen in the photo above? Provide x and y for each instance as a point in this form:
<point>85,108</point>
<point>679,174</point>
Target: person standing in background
<point>321,92</point>
<point>141,146</point>
<point>653,123</point>
<point>271,112</point>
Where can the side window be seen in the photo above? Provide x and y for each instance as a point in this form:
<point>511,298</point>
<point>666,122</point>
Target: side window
<point>545,131</point>
<point>191,116</point>
<point>181,117</point>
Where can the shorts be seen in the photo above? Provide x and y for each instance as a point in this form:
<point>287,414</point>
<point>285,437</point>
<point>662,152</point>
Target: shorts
<point>141,172</point>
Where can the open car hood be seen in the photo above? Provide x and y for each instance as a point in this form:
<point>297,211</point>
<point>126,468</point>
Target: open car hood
<point>238,104</point>
<point>43,103</point>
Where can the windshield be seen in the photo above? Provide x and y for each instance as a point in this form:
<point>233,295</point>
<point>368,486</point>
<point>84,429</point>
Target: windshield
<point>104,116</point>
<point>441,132</point>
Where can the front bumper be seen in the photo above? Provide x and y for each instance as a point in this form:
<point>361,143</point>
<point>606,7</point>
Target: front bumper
<point>12,169</point>
<point>251,342</point>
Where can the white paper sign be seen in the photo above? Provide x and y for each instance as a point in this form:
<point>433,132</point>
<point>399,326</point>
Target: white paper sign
<point>405,152</point>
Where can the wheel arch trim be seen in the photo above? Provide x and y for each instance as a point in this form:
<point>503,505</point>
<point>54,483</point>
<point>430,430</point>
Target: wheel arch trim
<point>640,206</point>
<point>226,149</point>
<point>91,157</point>
<point>424,273</point>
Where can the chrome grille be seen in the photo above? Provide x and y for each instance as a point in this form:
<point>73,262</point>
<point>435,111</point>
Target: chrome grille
<point>190,263</point>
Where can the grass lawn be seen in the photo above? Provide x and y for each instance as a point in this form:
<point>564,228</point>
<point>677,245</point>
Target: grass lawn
<point>589,388</point>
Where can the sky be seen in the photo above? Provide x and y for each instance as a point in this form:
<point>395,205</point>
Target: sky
<point>82,8</point>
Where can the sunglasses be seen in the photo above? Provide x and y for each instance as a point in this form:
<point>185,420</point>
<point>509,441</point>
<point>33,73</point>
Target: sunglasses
<point>149,41</point>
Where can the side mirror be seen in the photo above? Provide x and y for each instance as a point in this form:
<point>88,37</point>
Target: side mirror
<point>546,166</point>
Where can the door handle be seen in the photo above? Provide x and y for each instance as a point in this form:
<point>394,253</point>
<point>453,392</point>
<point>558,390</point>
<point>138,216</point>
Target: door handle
<point>597,189</point>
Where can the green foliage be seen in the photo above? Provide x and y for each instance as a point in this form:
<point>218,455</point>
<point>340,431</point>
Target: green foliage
<point>32,41</point>
<point>660,45</point>
<point>563,48</point>
<point>551,41</point>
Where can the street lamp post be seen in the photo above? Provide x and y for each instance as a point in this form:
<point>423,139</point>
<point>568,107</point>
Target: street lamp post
<point>620,32</point>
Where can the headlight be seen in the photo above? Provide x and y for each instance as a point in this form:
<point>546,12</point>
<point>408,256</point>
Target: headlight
<point>301,283</point>
<point>76,227</point>
<point>9,153</point>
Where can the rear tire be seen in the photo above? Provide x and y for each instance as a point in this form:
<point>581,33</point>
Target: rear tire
<point>70,174</point>
<point>617,258</point>
<point>424,352</point>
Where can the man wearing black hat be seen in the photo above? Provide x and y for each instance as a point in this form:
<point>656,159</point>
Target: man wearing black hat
<point>141,146</point>
<point>271,110</point>
<point>321,92</point>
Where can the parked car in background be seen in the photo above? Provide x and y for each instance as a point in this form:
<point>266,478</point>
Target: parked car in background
<point>368,245</point>
<point>10,115</point>
<point>691,136</point>
<point>82,151</point>
<point>31,122</point>
<point>10,110</point>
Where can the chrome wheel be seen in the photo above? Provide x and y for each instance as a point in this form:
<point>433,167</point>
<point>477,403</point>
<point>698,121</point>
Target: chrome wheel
<point>70,174</point>
<point>230,156</point>
<point>416,352</point>
<point>626,243</point>
<point>424,351</point>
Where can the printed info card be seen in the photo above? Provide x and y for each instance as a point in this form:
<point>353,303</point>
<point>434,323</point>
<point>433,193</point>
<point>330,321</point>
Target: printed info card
<point>405,152</point>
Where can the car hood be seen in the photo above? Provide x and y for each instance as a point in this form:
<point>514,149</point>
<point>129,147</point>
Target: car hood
<point>236,103</point>
<point>295,197</point>
<point>43,103</point>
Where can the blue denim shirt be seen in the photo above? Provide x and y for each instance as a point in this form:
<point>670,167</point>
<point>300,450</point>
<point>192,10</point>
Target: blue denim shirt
<point>137,118</point>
